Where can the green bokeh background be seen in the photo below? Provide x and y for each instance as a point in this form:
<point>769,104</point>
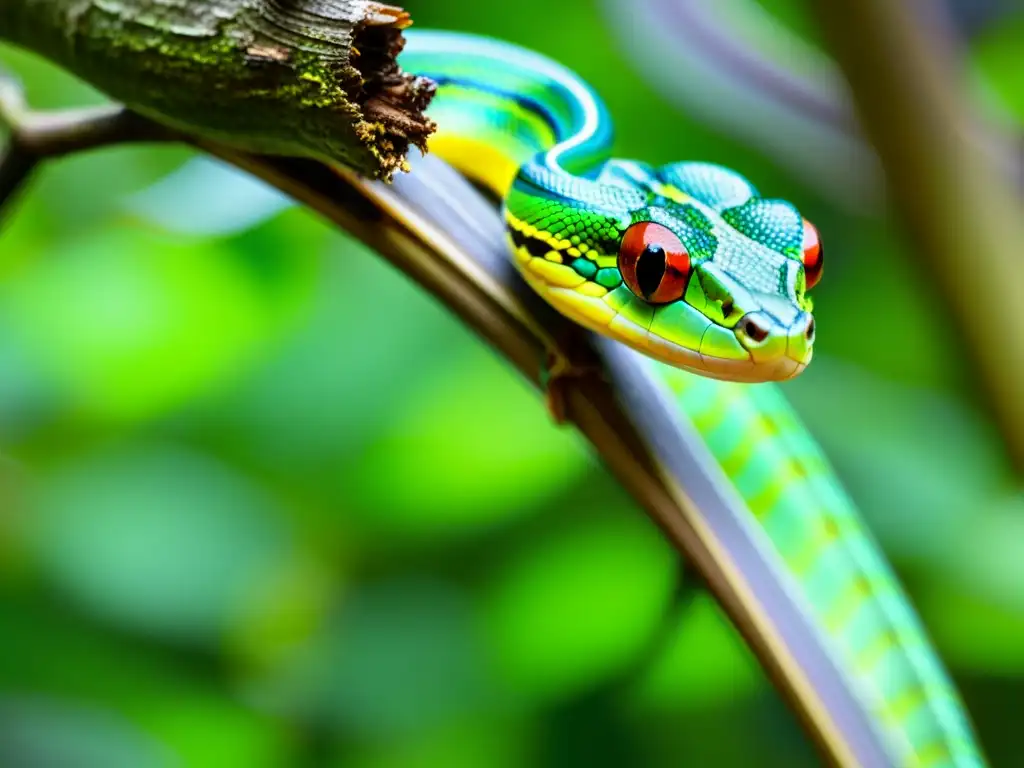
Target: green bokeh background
<point>265,503</point>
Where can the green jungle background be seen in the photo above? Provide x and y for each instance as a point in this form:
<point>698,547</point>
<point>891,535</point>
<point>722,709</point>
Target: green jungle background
<point>276,507</point>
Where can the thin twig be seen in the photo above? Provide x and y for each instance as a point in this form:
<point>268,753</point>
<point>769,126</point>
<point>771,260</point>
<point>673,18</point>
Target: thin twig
<point>50,135</point>
<point>961,211</point>
<point>36,136</point>
<point>55,134</point>
<point>16,165</point>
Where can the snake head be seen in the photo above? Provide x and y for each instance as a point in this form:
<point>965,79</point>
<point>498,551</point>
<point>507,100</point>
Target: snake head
<point>718,275</point>
<point>686,263</point>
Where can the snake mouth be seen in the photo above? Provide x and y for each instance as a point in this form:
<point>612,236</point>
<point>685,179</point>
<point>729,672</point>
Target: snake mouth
<point>746,369</point>
<point>721,355</point>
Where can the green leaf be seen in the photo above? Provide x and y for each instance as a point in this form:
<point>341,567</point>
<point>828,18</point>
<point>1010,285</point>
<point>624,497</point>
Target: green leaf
<point>795,15</point>
<point>367,338</point>
<point>996,56</point>
<point>40,731</point>
<point>903,448</point>
<point>159,540</point>
<point>705,663</point>
<point>578,605</point>
<point>470,446</point>
<point>208,197</point>
<point>399,659</point>
<point>127,324</point>
<point>48,85</point>
<point>187,714</point>
<point>973,633</point>
<point>988,560</point>
<point>471,744</point>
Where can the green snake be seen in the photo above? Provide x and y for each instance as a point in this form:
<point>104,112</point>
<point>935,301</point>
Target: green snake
<point>688,264</point>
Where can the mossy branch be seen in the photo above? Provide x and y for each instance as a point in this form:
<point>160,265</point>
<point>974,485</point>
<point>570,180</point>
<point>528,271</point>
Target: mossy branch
<point>308,78</point>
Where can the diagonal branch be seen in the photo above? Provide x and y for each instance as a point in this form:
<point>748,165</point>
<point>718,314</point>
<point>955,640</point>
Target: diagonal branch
<point>437,229</point>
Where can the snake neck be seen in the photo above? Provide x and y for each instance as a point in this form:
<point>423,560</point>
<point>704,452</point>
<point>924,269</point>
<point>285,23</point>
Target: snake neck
<point>506,112</point>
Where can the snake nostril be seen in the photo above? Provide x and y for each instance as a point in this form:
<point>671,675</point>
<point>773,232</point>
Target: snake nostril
<point>809,333</point>
<point>754,330</point>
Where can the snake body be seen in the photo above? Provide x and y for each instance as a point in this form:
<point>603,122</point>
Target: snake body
<point>690,265</point>
<point>684,262</point>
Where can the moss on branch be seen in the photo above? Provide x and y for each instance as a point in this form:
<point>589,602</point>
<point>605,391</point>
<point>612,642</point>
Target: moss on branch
<point>312,78</point>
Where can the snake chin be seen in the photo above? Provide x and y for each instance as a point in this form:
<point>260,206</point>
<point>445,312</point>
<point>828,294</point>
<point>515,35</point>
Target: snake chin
<point>596,315</point>
<point>748,370</point>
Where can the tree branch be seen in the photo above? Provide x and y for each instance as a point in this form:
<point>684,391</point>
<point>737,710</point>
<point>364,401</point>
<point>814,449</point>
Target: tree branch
<point>309,78</point>
<point>436,229</point>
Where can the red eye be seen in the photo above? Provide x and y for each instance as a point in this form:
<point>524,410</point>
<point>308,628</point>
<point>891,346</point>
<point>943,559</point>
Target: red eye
<point>813,256</point>
<point>654,263</point>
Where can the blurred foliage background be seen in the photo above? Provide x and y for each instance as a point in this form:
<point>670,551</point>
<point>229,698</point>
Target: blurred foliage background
<point>263,503</point>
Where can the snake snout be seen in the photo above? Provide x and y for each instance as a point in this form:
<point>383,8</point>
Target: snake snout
<point>768,340</point>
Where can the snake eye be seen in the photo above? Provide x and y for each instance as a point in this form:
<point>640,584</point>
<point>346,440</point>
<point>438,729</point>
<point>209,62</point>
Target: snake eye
<point>813,256</point>
<point>654,263</point>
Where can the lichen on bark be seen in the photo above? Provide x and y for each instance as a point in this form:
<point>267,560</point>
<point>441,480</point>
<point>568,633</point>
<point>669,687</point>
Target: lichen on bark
<point>313,78</point>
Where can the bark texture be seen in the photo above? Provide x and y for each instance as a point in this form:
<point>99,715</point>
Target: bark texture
<point>312,78</point>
